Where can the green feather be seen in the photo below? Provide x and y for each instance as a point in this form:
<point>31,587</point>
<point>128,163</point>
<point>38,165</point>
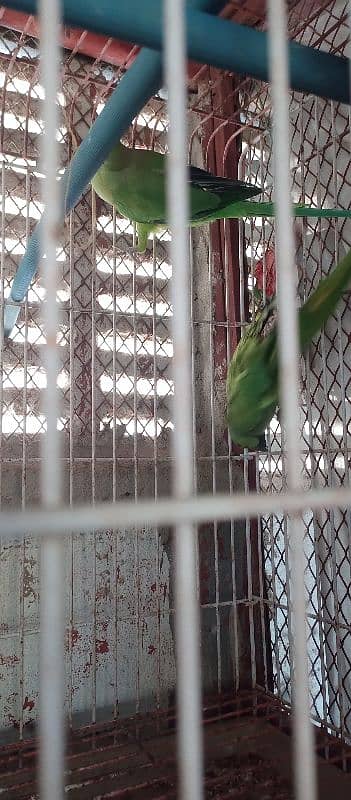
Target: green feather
<point>253,374</point>
<point>134,181</point>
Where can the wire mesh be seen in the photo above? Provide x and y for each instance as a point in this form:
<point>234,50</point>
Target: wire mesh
<point>320,175</point>
<point>116,391</point>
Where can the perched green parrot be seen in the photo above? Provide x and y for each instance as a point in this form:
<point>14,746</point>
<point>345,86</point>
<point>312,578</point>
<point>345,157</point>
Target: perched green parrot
<point>253,379</point>
<point>134,181</point>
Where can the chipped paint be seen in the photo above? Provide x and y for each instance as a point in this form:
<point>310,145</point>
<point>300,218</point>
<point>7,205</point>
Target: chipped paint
<point>102,646</point>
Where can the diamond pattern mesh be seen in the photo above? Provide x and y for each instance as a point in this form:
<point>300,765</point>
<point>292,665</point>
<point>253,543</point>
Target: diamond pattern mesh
<point>320,177</point>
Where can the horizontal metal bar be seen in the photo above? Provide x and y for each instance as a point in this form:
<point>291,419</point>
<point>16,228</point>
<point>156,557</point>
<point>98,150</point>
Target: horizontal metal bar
<point>210,40</point>
<point>255,600</point>
<point>102,516</point>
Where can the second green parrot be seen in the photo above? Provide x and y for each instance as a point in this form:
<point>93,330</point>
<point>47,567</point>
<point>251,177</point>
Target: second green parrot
<point>134,182</point>
<point>253,373</point>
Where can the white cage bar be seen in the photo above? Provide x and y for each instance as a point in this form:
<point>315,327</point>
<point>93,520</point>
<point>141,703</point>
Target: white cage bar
<point>52,745</point>
<point>187,613</point>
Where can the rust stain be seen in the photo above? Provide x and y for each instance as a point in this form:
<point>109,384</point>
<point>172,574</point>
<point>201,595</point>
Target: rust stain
<point>75,636</point>
<point>153,587</point>
<point>151,649</point>
<point>29,578</point>
<point>8,661</point>
<point>87,667</point>
<point>103,593</point>
<point>102,646</point>
<point>13,721</point>
<point>28,704</point>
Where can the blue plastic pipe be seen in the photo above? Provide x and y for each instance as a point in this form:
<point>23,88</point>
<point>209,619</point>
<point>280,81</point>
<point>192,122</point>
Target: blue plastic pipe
<point>210,40</point>
<point>141,80</point>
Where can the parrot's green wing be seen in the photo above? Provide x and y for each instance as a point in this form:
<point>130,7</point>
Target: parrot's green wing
<point>134,181</point>
<point>323,301</point>
<point>252,381</point>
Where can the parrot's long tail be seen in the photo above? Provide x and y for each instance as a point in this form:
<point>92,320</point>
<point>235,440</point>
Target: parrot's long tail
<point>249,208</point>
<point>321,213</point>
<point>322,302</point>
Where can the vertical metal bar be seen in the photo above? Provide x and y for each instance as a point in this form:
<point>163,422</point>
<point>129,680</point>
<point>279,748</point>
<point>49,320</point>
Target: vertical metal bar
<point>136,465</point>
<point>155,459</point>
<point>261,583</point>
<point>249,575</point>
<point>234,630</point>
<point>330,598</point>
<point>187,610</point>
<point>314,466</point>
<point>114,443</point>
<point>304,764</point>
<point>247,152</point>
<point>136,476</point>
<point>2,290</point>
<point>71,461</point>
<point>214,471</point>
<point>52,571</point>
<point>341,671</point>
<point>193,398</point>
<point>93,441</point>
<point>325,537</point>
<point>245,456</point>
<point>24,469</point>
<point>269,458</point>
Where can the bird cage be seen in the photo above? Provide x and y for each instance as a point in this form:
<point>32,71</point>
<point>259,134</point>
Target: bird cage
<point>116,425</point>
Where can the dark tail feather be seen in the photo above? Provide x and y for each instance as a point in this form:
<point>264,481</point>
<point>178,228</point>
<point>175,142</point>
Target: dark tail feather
<point>207,181</point>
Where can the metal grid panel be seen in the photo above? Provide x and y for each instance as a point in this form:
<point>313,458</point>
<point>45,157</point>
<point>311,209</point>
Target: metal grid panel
<point>115,389</point>
<point>320,175</point>
<point>247,746</point>
<point>115,386</point>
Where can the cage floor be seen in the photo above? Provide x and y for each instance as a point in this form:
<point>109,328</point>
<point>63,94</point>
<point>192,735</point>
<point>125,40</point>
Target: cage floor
<point>247,755</point>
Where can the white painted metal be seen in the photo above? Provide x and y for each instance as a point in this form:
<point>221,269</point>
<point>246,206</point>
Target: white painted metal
<point>304,762</point>
<point>168,512</point>
<point>51,766</point>
<point>187,612</point>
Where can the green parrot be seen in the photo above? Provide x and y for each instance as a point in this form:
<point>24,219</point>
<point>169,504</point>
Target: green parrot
<point>253,378</point>
<point>134,181</point>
